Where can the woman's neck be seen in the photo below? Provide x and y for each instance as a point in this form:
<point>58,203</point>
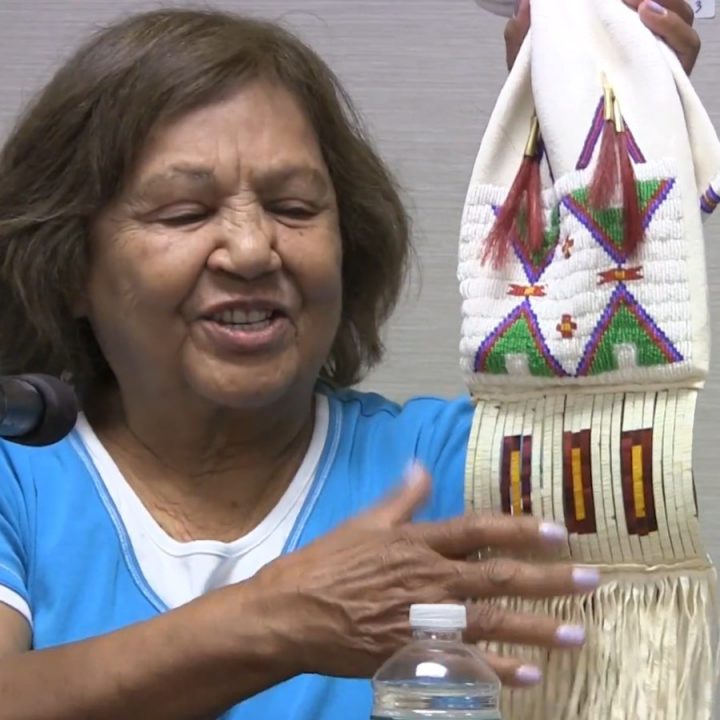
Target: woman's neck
<point>212,475</point>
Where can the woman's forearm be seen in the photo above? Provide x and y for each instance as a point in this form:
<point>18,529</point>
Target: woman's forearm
<point>193,662</point>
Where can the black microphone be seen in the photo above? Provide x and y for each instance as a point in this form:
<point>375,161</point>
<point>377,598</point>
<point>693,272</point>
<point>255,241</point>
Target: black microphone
<point>36,409</point>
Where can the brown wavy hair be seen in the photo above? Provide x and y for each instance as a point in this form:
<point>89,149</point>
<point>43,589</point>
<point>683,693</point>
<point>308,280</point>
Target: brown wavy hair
<point>75,145</point>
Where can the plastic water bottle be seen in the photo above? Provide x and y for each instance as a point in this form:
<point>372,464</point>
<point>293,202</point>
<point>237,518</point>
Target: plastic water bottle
<point>437,675</point>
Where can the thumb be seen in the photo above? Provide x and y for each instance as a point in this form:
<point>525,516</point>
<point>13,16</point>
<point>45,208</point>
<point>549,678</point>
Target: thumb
<point>516,30</point>
<point>402,503</point>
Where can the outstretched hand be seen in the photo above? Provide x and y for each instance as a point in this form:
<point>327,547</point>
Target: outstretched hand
<point>348,594</point>
<point>672,20</point>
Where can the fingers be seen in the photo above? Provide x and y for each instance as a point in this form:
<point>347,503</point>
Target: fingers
<point>400,506</point>
<point>674,28</point>
<point>504,577</point>
<point>672,20</point>
<point>487,623</point>
<point>516,30</point>
<point>490,623</point>
<point>467,534</point>
<point>679,7</point>
<point>513,672</point>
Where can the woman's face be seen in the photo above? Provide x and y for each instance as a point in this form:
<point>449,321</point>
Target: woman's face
<point>218,270</point>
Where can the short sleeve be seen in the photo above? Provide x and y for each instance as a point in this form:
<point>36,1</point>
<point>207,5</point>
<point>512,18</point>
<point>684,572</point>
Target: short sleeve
<point>13,539</point>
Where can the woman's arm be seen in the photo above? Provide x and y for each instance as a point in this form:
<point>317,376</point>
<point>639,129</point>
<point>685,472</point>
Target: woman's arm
<point>193,662</point>
<point>337,607</point>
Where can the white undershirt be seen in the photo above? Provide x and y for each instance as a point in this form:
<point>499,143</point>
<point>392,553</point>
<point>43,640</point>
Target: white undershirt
<point>12,599</point>
<point>179,572</point>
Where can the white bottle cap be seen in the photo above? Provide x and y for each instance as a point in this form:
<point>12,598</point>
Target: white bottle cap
<point>438,617</point>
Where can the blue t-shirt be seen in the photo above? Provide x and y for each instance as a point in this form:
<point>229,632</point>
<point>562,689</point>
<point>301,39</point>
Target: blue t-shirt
<point>65,551</point>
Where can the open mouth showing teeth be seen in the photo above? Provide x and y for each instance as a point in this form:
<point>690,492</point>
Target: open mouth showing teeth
<point>248,321</point>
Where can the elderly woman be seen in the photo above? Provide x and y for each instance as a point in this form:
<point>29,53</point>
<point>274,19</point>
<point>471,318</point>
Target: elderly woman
<point>194,229</point>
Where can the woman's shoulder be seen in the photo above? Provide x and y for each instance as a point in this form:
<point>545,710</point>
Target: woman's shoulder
<point>41,475</point>
<point>378,437</point>
<point>22,460</point>
<point>39,487</point>
<point>374,408</point>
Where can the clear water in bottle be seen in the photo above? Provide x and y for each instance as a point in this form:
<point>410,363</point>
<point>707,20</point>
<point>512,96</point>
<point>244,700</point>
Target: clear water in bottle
<point>436,675</point>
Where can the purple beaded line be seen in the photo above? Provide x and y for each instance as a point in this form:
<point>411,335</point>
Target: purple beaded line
<point>523,309</point>
<point>542,150</point>
<point>657,200</point>
<point>594,135</point>
<point>599,234</point>
<point>633,148</point>
<point>532,271</point>
<point>621,294</point>
<point>593,228</point>
<point>710,201</point>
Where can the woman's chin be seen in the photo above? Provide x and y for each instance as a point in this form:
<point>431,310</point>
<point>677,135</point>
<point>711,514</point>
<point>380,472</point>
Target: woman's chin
<point>251,389</point>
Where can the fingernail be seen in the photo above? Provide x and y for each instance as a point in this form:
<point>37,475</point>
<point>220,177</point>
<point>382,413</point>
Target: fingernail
<point>414,473</point>
<point>570,635</point>
<point>655,7</point>
<point>552,532</point>
<point>585,578</point>
<point>528,675</point>
<point>517,8</point>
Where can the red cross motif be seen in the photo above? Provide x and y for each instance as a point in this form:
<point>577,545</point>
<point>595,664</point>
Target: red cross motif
<point>566,327</point>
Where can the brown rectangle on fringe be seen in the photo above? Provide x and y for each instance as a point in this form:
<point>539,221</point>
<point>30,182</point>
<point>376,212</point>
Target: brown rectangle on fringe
<point>525,475</point>
<point>644,522</point>
<point>523,446</point>
<point>574,520</point>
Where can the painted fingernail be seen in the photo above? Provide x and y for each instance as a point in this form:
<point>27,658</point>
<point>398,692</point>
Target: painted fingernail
<point>655,7</point>
<point>528,675</point>
<point>585,578</point>
<point>517,8</point>
<point>414,473</point>
<point>570,635</point>
<point>552,532</point>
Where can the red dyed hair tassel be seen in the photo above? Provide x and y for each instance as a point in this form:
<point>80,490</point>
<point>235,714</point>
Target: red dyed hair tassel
<point>522,212</point>
<point>632,216</point>
<point>606,179</point>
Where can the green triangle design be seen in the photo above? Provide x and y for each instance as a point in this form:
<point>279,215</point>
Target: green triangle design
<point>610,220</point>
<point>550,236</point>
<point>625,328</point>
<point>537,262</point>
<point>518,339</point>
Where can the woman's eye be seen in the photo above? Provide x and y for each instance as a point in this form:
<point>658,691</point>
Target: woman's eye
<point>186,218</point>
<point>294,212</point>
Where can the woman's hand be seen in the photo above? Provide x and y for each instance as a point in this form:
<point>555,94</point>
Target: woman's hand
<point>347,596</point>
<point>672,20</point>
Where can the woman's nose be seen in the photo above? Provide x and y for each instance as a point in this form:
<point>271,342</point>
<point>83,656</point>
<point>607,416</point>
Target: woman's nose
<point>246,244</point>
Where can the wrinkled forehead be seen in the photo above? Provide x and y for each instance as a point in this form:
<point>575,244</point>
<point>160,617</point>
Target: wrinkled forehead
<point>259,133</point>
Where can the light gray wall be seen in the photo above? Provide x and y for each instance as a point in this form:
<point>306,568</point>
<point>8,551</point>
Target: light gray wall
<point>425,73</point>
